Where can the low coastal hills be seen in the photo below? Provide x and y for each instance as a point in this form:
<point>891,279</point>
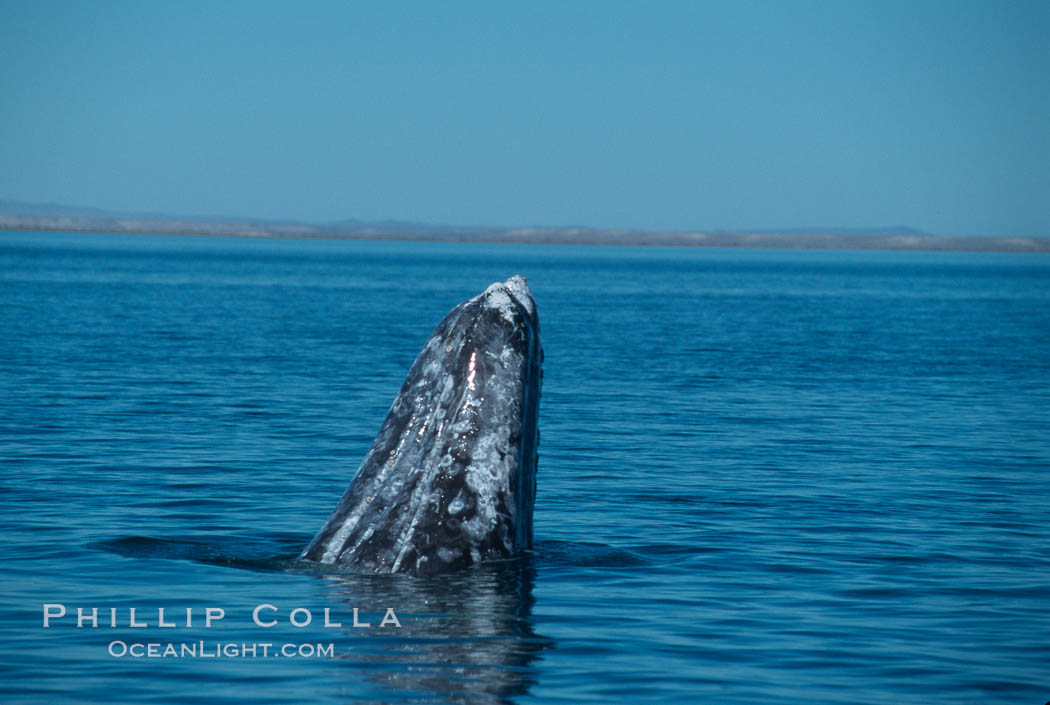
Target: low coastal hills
<point>28,216</point>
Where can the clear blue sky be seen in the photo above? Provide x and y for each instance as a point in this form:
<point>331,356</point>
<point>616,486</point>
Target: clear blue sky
<point>665,115</point>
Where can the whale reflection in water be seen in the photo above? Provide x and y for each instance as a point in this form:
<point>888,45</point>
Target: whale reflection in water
<point>465,637</point>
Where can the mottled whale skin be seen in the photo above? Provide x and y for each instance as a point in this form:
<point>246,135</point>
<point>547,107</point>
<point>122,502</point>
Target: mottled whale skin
<point>450,480</point>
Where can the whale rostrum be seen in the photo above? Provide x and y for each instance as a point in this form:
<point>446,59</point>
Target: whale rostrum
<point>450,480</point>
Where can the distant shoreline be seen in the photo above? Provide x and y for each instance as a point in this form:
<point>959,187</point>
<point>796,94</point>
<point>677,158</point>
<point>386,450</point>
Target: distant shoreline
<point>539,236</point>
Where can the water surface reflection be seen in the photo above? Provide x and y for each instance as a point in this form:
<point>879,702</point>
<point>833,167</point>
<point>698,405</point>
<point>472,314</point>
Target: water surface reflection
<point>465,637</point>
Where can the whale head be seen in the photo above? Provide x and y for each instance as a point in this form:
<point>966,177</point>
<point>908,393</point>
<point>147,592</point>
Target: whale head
<point>450,479</point>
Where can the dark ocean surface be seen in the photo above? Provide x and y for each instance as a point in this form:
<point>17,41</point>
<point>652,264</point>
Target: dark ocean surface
<point>765,476</point>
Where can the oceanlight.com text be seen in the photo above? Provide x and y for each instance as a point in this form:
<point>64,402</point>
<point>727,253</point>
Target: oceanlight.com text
<point>219,649</point>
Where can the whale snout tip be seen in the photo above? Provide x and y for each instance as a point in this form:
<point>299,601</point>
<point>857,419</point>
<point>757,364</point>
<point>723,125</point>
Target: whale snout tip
<point>519,286</point>
<point>519,289</point>
<point>500,294</point>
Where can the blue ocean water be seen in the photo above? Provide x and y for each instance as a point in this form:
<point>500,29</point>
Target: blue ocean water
<point>765,476</point>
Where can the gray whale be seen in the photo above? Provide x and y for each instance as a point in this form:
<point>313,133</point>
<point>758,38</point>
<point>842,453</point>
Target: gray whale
<point>450,480</point>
